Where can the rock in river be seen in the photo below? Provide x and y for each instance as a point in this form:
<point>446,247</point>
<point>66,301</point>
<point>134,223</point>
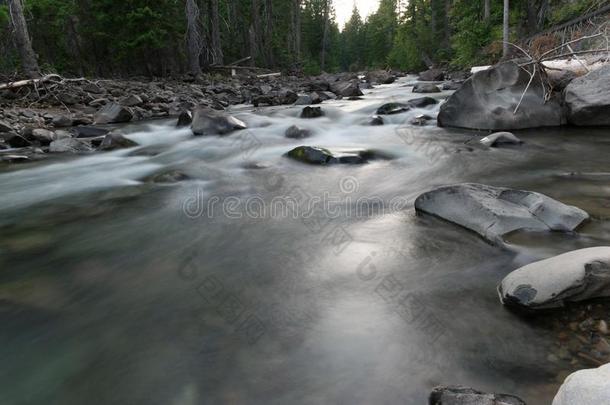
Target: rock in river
<point>492,212</point>
<point>426,88</point>
<point>295,132</point>
<point>585,387</point>
<point>393,108</point>
<point>115,140</point>
<point>574,276</point>
<point>588,98</point>
<point>69,145</point>
<point>210,122</point>
<point>113,113</point>
<point>346,89</point>
<point>321,156</point>
<point>458,395</point>
<point>312,112</point>
<point>500,138</point>
<point>489,98</point>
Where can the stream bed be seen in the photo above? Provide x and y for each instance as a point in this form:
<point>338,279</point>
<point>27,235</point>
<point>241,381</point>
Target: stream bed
<point>119,286</point>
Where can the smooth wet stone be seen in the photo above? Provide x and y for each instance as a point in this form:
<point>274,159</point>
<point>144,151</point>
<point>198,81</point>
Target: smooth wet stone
<point>210,122</point>
<point>459,395</point>
<point>376,121</point>
<point>499,139</point>
<point>312,112</point>
<point>16,141</point>
<point>113,113</point>
<point>492,212</point>
<point>422,102</point>
<point>346,89</point>
<point>380,77</point>
<point>420,120</point>
<point>588,98</point>
<point>393,108</point>
<point>184,119</point>
<point>88,132</point>
<point>489,98</point>
<point>295,132</point>
<point>432,75</point>
<point>585,387</point>
<point>570,277</point>
<point>426,88</point>
<point>115,140</point>
<point>321,156</point>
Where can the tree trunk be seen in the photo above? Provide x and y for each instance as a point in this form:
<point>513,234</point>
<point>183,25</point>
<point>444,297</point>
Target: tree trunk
<point>254,31</point>
<point>193,37</point>
<point>487,10</point>
<point>532,17</point>
<point>269,33</point>
<point>296,29</point>
<point>325,35</point>
<point>22,39</point>
<point>216,44</point>
<point>506,28</point>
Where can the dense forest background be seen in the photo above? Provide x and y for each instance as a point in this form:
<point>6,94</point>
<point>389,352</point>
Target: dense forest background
<point>111,38</point>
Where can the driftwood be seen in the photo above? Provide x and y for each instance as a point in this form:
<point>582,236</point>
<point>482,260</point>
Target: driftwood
<point>30,82</point>
<point>269,75</point>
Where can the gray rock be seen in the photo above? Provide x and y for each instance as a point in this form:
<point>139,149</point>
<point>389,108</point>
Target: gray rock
<point>393,108</point>
<point>93,88</point>
<point>500,138</point>
<point>287,96</point>
<point>39,135</point>
<point>210,122</point>
<point>321,156</point>
<point>422,102</point>
<point>15,141</point>
<point>115,140</point>
<point>68,98</point>
<point>380,77</point>
<point>432,75</point>
<point>493,212</point>
<point>346,89</point>
<point>420,120</point>
<point>426,88</point>
<point>88,132</point>
<point>5,126</point>
<point>376,121</point>
<point>113,113</point>
<point>295,132</point>
<point>132,101</point>
<point>570,277</point>
<point>459,395</point>
<point>304,99</point>
<point>489,98</point>
<point>585,387</point>
<point>452,85</point>
<point>312,112</point>
<point>69,145</point>
<point>185,119</point>
<point>60,121</point>
<point>588,98</point>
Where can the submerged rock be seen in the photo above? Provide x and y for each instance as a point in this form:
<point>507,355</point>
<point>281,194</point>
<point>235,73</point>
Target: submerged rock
<point>112,113</point>
<point>295,132</point>
<point>489,98</point>
<point>420,120</point>
<point>115,140</point>
<point>588,98</point>
<point>89,132</point>
<point>459,395</point>
<point>500,138</point>
<point>210,122</point>
<point>376,121</point>
<point>492,212</point>
<point>312,112</point>
<point>321,156</point>
<point>585,387</point>
<point>426,88</point>
<point>570,277</point>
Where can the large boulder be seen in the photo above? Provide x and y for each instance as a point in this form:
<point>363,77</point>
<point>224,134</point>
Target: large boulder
<point>380,77</point>
<point>116,140</point>
<point>426,88</point>
<point>585,387</point>
<point>492,212</point>
<point>459,395</point>
<point>574,276</point>
<point>588,98</point>
<point>113,113</point>
<point>346,89</point>
<point>489,98</point>
<point>210,122</point>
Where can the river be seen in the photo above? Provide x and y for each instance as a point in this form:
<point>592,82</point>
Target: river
<point>216,289</point>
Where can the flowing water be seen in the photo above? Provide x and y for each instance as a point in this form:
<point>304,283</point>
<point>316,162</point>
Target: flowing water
<point>216,289</point>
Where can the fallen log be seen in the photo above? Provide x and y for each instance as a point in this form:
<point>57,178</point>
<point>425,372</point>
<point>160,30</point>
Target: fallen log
<point>30,82</point>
